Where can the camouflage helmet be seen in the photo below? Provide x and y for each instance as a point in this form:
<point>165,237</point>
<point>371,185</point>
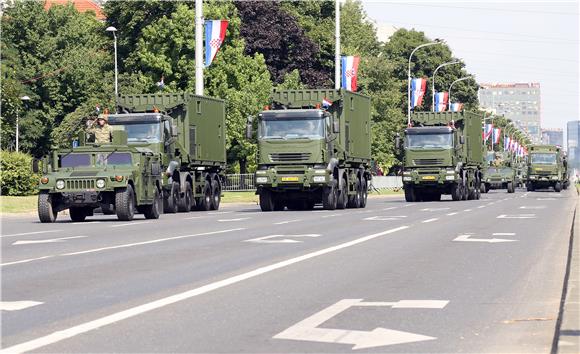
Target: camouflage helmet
<point>104,117</point>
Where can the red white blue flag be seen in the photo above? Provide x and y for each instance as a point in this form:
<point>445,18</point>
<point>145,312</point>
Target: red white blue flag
<point>496,135</point>
<point>215,33</point>
<point>349,72</point>
<point>441,99</point>
<point>506,143</point>
<point>418,88</point>
<point>487,131</point>
<point>456,107</point>
<point>326,102</point>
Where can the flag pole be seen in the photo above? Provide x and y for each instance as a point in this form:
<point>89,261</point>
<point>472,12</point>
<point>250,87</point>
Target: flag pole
<point>199,47</point>
<point>337,44</point>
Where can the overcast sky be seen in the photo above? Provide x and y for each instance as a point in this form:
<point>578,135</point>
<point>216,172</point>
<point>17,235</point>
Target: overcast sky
<point>504,41</point>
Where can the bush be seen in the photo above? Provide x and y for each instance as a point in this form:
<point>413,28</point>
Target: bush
<point>16,177</point>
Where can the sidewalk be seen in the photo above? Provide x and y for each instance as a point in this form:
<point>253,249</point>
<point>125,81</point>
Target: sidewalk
<point>568,335</point>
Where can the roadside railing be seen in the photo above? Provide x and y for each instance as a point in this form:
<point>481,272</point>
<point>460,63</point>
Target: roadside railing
<point>240,182</point>
<point>387,182</point>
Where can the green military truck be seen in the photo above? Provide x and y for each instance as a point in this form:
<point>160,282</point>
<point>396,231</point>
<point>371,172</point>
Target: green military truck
<point>443,154</point>
<point>314,146</point>
<point>499,177</point>
<point>114,176</point>
<point>546,168</point>
<point>187,133</point>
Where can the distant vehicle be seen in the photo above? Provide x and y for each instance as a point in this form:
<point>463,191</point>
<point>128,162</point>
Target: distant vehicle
<point>546,168</point>
<point>314,146</point>
<point>499,178</point>
<point>443,154</point>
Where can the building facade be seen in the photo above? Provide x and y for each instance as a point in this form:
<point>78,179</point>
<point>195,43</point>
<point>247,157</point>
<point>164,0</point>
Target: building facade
<point>519,102</point>
<point>573,136</point>
<point>553,136</point>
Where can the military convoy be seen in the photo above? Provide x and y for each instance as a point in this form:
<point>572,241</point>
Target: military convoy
<point>547,167</point>
<point>499,177</point>
<point>442,154</point>
<point>313,147</point>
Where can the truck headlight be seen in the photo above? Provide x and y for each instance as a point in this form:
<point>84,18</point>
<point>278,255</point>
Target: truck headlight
<point>260,172</point>
<point>407,178</point>
<point>261,179</point>
<point>60,184</point>
<point>319,179</point>
<point>450,178</point>
<point>554,177</point>
<point>320,172</point>
<point>406,173</point>
<point>503,179</point>
<point>100,183</point>
<point>532,177</point>
<point>451,172</point>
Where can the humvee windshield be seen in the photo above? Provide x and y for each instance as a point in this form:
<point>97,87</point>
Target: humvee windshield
<point>75,160</point>
<point>547,159</point>
<point>429,141</point>
<point>297,128</point>
<point>114,158</point>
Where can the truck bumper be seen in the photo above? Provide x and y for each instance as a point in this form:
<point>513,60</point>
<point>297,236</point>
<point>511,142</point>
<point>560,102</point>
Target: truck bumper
<point>299,180</point>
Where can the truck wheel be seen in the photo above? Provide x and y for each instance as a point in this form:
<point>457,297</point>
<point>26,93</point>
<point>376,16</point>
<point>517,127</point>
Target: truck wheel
<point>310,204</point>
<point>184,204</point>
<point>364,193</point>
<point>107,208</point>
<point>329,196</point>
<point>152,211</point>
<point>78,214</point>
<point>530,187</point>
<point>125,203</point>
<point>266,200</point>
<point>465,192</point>
<point>410,195</point>
<point>205,200</point>
<point>558,187</point>
<point>342,196</point>
<point>278,202</point>
<point>216,195</point>
<point>477,193</point>
<point>456,191</point>
<point>46,212</point>
<point>510,187</point>
<point>171,200</point>
<point>483,188</point>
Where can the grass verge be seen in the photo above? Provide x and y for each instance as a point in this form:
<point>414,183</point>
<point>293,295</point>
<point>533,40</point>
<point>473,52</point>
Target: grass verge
<point>11,205</point>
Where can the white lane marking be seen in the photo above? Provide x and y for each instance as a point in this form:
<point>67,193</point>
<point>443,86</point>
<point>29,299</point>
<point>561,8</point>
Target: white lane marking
<point>467,238</point>
<point>467,209</point>
<point>533,207</point>
<point>309,330</point>
<point>31,233</point>
<point>321,211</point>
<point>131,223</point>
<point>385,217</point>
<point>94,250</point>
<point>451,214</point>
<point>287,222</point>
<point>17,305</point>
<point>52,240</point>
<point>330,215</point>
<point>390,208</point>
<point>481,206</point>
<point>138,310</point>
<point>272,238</point>
<point>517,216</point>
<point>219,212</point>
<point>434,209</point>
<point>503,233</point>
<point>231,220</point>
<point>429,220</point>
<point>194,217</point>
<point>545,198</point>
<point>86,222</point>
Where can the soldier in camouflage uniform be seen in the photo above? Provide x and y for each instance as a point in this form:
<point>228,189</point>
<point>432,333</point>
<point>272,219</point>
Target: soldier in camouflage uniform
<point>102,131</point>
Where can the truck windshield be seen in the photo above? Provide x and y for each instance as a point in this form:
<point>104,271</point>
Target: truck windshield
<point>547,159</point>
<point>429,141</point>
<point>113,158</point>
<point>75,160</point>
<point>143,132</point>
<point>303,128</point>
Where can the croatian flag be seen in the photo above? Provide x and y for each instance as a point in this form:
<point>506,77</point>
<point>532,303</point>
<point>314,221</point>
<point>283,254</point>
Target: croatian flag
<point>349,72</point>
<point>487,131</point>
<point>215,32</point>
<point>441,99</point>
<point>496,135</point>
<point>418,87</point>
<point>326,102</point>
<point>506,143</point>
<point>456,107</point>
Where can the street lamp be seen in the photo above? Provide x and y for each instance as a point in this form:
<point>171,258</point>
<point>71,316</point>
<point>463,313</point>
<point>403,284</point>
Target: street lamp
<point>437,41</point>
<point>24,100</point>
<point>433,81</point>
<point>456,81</point>
<point>114,30</point>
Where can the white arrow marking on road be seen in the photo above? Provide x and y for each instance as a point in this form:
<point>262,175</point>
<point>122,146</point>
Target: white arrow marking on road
<point>31,233</point>
<point>269,239</point>
<point>52,240</point>
<point>308,330</point>
<point>517,216</point>
<point>17,305</point>
<point>467,238</point>
<point>386,218</point>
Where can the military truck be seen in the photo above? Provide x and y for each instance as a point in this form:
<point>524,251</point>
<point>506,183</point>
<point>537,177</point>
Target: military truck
<point>114,176</point>
<point>187,133</point>
<point>499,177</point>
<point>443,154</point>
<point>314,146</point>
<point>546,168</point>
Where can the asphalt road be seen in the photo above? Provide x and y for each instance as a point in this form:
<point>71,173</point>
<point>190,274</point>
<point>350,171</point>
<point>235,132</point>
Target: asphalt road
<point>470,276</point>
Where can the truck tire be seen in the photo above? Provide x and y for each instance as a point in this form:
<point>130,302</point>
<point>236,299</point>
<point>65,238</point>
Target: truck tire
<point>171,200</point>
<point>107,208</point>
<point>204,203</point>
<point>477,193</point>
<point>456,191</point>
<point>184,204</point>
<point>470,193</point>
<point>364,192</point>
<point>465,192</point>
<point>410,194</point>
<point>125,203</point>
<point>154,210</point>
<point>530,187</point>
<point>483,188</point>
<point>342,195</point>
<point>78,214</point>
<point>46,212</point>
<point>558,187</point>
<point>510,187</point>
<point>266,200</point>
<point>279,202</point>
<point>330,196</point>
<point>354,200</point>
<point>216,195</point>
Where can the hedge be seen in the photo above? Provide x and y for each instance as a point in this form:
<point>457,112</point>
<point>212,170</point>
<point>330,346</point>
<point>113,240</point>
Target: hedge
<point>16,176</point>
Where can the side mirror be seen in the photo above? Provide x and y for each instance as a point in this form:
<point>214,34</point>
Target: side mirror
<point>336,126</point>
<point>462,140</point>
<point>35,165</point>
<point>249,131</point>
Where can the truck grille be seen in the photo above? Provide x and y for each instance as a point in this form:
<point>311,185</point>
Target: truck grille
<point>290,157</point>
<point>80,184</point>
<point>427,162</point>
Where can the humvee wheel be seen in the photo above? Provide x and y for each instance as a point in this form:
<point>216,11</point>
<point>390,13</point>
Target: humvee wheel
<point>330,196</point>
<point>510,187</point>
<point>205,200</point>
<point>216,195</point>
<point>46,212</point>
<point>184,204</point>
<point>154,210</point>
<point>558,187</point>
<point>78,214</point>
<point>125,203</point>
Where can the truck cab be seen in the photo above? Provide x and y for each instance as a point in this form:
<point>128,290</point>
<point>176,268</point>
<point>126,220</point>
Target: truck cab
<point>546,168</point>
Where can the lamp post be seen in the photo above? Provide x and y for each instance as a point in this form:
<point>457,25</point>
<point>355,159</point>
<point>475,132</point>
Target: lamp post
<point>456,81</point>
<point>433,81</point>
<point>114,31</point>
<point>337,76</point>
<point>24,100</point>
<point>437,41</point>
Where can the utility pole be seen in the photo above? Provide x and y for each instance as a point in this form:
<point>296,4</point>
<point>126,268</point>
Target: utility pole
<point>199,47</point>
<point>337,75</point>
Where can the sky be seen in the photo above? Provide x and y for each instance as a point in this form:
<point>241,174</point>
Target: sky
<point>503,42</point>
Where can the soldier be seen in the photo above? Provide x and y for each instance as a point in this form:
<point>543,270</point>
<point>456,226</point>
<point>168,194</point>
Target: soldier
<point>103,131</point>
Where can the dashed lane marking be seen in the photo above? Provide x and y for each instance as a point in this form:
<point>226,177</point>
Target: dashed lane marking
<point>231,220</point>
<point>451,214</point>
<point>31,233</point>
<point>132,224</point>
<point>17,305</point>
<point>287,222</point>
<point>429,220</point>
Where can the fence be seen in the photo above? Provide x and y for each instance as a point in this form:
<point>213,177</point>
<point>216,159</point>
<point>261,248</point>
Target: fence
<point>240,182</point>
<point>387,182</point>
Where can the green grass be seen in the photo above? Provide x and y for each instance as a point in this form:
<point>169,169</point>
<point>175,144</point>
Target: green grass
<point>10,205</point>
<point>239,197</point>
